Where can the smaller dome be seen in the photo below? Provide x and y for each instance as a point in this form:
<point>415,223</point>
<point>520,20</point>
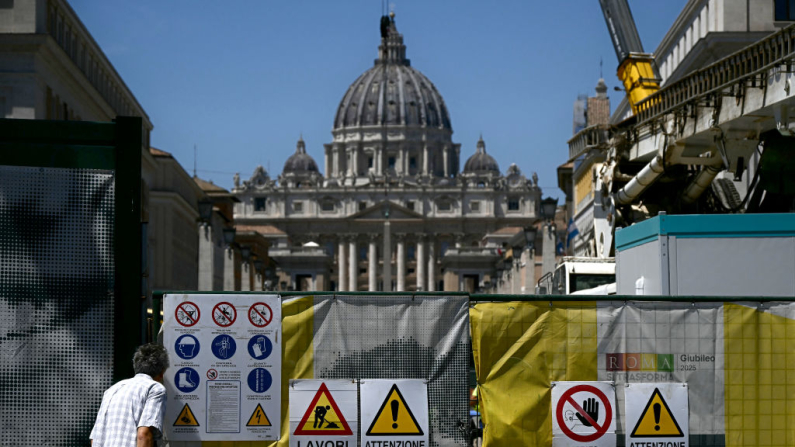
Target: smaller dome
<point>300,162</point>
<point>480,162</point>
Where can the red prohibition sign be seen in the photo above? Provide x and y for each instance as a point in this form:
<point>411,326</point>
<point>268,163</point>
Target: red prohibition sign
<point>212,374</point>
<point>600,430</point>
<point>224,314</point>
<point>187,313</point>
<point>260,314</point>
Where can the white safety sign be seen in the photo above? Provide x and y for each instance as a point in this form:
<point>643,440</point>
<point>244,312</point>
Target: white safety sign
<point>224,378</point>
<point>583,414</point>
<point>323,412</point>
<point>657,414</point>
<point>394,412</point>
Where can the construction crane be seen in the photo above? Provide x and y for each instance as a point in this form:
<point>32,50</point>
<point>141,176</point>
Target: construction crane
<point>636,69</point>
<point>689,145</point>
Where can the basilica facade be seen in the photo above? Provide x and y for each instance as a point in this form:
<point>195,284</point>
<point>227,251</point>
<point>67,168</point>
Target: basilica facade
<point>392,210</point>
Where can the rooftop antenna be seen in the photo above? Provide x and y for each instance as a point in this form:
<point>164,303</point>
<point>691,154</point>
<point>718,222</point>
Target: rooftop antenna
<point>195,155</point>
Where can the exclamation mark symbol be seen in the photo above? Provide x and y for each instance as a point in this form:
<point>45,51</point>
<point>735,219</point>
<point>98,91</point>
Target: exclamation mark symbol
<point>394,404</point>
<point>657,408</point>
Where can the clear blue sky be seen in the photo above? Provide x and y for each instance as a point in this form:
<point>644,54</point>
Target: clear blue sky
<point>242,79</point>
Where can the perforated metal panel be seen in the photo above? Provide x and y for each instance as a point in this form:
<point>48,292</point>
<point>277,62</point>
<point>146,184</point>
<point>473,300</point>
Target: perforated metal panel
<point>56,302</point>
<point>401,337</point>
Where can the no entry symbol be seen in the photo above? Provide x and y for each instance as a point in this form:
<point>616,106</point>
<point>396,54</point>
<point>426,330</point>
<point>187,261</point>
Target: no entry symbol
<point>224,314</point>
<point>260,314</point>
<point>588,414</point>
<point>187,313</point>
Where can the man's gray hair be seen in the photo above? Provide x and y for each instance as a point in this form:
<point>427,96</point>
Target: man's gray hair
<point>151,359</point>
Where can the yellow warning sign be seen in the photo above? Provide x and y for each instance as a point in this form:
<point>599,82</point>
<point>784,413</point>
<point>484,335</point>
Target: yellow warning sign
<point>394,417</point>
<point>657,421</point>
<point>258,418</point>
<point>186,418</point>
<point>323,417</point>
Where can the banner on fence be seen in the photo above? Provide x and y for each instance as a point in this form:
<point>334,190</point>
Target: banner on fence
<point>736,359</point>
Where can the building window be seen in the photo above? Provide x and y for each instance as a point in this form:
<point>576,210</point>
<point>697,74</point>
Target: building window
<point>481,184</point>
<point>260,204</point>
<point>444,205</point>
<point>391,162</point>
<point>369,162</point>
<point>513,204</point>
<point>327,205</point>
<point>410,251</point>
<point>298,207</point>
<point>474,206</point>
<point>785,10</point>
<point>410,205</point>
<point>412,163</point>
<point>362,206</point>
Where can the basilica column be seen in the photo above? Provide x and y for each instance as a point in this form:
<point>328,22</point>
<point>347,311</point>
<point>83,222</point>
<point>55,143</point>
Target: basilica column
<point>342,271</point>
<point>446,161</point>
<point>229,269</point>
<point>425,159</point>
<point>401,263</point>
<point>353,266</point>
<point>387,255</point>
<point>529,271</point>
<point>372,264</point>
<point>432,264</point>
<point>245,276</point>
<point>420,252</point>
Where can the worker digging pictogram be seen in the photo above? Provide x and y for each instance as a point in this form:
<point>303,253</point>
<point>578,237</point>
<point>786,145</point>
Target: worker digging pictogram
<point>323,416</point>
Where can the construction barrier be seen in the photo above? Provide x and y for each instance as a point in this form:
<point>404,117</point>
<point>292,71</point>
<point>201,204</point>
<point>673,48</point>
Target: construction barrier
<point>329,336</point>
<point>737,358</point>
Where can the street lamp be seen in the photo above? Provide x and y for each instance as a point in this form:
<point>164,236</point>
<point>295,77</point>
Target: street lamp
<point>205,210</point>
<point>548,208</point>
<point>245,252</point>
<point>229,235</point>
<point>258,265</point>
<point>530,235</point>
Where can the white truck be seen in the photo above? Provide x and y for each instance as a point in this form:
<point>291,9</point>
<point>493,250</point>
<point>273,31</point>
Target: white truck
<point>574,275</point>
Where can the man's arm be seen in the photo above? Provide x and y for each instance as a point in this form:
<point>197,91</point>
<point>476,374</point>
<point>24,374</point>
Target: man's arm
<point>145,437</point>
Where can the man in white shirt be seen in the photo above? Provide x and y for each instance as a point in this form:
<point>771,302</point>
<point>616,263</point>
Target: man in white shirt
<point>131,414</point>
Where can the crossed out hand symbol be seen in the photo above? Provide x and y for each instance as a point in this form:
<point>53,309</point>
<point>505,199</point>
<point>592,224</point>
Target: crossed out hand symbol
<point>591,407</point>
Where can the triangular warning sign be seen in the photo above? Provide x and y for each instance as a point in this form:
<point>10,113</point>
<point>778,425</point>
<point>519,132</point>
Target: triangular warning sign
<point>323,417</point>
<point>186,418</point>
<point>258,418</point>
<point>657,421</point>
<point>394,418</point>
